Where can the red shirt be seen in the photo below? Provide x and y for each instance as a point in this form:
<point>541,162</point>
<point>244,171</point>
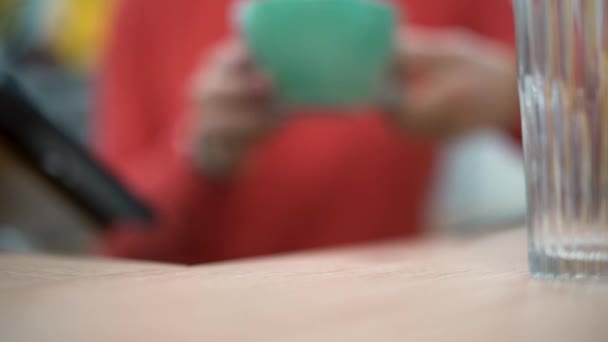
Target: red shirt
<point>318,181</point>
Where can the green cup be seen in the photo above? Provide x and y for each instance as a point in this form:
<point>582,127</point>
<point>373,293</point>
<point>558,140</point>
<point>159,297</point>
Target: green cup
<point>320,52</point>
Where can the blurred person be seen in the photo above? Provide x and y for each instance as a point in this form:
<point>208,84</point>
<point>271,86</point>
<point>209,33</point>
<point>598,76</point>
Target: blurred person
<point>188,122</point>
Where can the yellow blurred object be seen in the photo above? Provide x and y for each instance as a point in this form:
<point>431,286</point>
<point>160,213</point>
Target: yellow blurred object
<point>79,31</point>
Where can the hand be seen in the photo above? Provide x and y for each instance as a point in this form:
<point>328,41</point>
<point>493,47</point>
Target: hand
<point>454,81</point>
<point>235,109</point>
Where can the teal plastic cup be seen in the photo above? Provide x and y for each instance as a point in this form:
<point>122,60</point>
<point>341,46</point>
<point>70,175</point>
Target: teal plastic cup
<point>320,52</point>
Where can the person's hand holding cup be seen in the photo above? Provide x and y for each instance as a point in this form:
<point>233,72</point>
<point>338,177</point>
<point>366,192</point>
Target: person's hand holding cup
<point>235,106</point>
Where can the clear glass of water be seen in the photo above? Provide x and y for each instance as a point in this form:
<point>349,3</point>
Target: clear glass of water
<point>563,83</point>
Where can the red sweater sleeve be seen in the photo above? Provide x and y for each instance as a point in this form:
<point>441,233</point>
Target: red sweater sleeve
<point>135,133</point>
<point>494,19</point>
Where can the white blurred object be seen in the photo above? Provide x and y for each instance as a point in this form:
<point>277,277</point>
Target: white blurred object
<point>480,183</point>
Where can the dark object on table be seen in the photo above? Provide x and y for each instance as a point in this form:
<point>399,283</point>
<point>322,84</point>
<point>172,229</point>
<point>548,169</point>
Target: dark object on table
<point>61,161</point>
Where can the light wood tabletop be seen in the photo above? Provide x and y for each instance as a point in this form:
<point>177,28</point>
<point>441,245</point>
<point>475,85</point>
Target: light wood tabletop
<point>433,290</point>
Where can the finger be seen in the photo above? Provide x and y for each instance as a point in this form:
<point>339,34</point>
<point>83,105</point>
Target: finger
<point>430,110</point>
<point>233,134</point>
<point>424,50</point>
<point>234,74</point>
<point>232,56</point>
<point>239,93</point>
<point>229,59</point>
<point>221,59</point>
<point>235,122</point>
<point>415,50</point>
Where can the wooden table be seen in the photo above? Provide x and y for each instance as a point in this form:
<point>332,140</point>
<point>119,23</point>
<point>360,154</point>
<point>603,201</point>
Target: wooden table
<point>436,290</point>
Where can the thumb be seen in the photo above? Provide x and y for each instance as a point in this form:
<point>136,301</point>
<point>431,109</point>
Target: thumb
<point>418,50</point>
<point>429,107</point>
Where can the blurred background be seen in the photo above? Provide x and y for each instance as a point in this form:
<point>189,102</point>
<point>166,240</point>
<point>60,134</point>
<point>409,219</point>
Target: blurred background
<point>54,47</point>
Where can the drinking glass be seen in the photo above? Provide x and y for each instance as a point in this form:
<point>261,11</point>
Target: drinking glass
<point>563,68</point>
